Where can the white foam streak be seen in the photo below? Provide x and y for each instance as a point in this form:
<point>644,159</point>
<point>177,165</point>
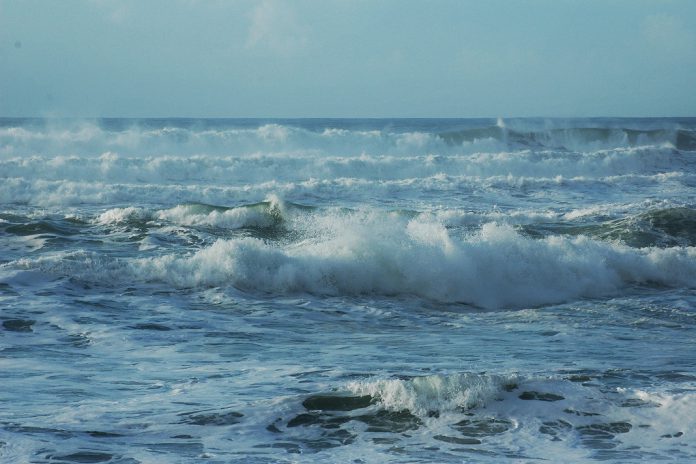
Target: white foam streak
<point>114,178</point>
<point>113,167</point>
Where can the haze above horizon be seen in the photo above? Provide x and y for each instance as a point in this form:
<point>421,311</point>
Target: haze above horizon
<point>347,59</point>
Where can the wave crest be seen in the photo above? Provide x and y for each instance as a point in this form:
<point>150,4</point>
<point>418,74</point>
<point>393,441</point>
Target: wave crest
<point>421,395</point>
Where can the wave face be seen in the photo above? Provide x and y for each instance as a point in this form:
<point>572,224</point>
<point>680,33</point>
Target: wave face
<point>377,291</point>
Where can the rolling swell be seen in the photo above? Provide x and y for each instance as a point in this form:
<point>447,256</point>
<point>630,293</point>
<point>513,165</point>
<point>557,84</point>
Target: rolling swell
<point>668,227</point>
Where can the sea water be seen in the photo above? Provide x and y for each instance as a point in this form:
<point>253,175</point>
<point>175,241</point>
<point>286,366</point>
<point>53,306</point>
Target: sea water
<point>364,291</point>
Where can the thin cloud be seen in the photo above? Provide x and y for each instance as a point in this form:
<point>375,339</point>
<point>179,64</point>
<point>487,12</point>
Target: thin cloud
<point>667,35</point>
<point>116,12</point>
<point>274,26</point>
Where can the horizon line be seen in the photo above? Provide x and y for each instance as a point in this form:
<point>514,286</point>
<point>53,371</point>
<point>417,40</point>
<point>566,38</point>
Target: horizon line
<point>347,117</point>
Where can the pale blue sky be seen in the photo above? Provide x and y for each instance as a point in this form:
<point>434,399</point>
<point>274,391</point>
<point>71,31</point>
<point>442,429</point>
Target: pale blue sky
<point>347,58</point>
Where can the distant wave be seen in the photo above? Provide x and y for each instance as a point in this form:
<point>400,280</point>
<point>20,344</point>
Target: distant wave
<point>576,138</point>
<point>92,138</point>
<point>112,178</point>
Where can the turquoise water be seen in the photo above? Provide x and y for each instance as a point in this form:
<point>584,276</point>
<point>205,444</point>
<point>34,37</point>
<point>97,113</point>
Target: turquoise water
<point>347,290</point>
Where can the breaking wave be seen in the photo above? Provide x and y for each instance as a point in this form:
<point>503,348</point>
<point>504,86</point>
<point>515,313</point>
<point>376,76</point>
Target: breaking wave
<point>494,268</point>
<point>368,253</point>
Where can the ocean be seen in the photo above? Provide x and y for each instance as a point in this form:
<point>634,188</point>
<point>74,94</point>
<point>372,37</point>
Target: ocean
<point>347,290</point>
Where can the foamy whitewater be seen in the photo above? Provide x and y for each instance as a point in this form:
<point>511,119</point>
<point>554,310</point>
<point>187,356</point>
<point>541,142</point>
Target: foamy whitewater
<point>363,291</point>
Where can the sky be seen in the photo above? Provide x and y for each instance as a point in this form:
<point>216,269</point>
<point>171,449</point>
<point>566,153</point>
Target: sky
<point>347,58</point>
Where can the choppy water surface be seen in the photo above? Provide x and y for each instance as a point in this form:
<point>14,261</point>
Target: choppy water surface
<point>347,290</point>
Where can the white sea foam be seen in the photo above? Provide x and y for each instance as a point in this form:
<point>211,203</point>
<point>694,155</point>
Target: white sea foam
<point>672,413</point>
<point>421,395</point>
